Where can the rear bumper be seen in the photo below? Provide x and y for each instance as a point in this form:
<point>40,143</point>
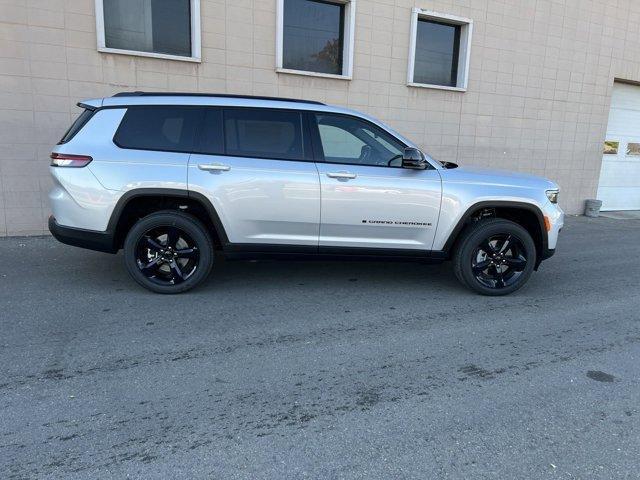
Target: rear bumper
<point>548,253</point>
<point>89,239</point>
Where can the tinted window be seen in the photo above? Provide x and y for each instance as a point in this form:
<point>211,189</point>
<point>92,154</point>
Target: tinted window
<point>77,125</point>
<point>211,136</point>
<point>158,128</point>
<point>353,141</point>
<point>263,133</point>
<point>159,26</point>
<point>313,36</point>
<point>437,50</point>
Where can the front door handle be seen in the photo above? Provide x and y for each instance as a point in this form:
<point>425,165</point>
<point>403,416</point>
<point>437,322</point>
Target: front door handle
<point>214,167</point>
<point>341,175</point>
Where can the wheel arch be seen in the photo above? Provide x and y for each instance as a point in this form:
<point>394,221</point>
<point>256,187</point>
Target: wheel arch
<point>527,215</point>
<point>137,203</point>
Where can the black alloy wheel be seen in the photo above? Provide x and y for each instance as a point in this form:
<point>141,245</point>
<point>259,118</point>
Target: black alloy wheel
<point>494,256</point>
<point>499,261</point>
<point>168,252</point>
<point>167,255</point>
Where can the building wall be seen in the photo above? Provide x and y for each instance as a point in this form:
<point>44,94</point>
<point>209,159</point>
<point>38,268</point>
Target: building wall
<point>540,83</point>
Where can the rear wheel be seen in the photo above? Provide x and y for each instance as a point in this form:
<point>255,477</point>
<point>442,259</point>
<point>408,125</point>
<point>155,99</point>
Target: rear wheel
<point>168,252</point>
<point>495,257</point>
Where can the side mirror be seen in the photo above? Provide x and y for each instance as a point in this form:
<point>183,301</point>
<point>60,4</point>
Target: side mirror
<point>413,158</point>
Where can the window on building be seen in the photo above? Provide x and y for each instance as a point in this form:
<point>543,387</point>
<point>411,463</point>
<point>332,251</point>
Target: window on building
<point>165,28</point>
<point>315,37</point>
<point>263,133</point>
<point>633,149</point>
<point>165,128</point>
<point>611,147</point>
<point>439,53</point>
<point>353,141</point>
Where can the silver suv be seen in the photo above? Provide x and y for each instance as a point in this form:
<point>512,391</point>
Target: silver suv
<point>174,179</point>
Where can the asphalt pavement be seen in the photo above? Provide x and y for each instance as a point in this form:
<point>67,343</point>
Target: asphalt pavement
<point>322,370</point>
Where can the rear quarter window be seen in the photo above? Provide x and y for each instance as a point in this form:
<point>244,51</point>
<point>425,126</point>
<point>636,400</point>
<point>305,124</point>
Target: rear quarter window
<point>77,125</point>
<point>165,128</point>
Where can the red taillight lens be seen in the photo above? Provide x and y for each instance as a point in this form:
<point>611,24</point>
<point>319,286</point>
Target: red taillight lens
<point>64,160</point>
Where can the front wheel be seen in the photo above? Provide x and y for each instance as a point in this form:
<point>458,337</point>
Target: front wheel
<point>495,257</point>
<point>168,252</point>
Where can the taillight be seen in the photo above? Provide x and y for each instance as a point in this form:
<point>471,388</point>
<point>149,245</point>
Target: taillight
<point>64,160</point>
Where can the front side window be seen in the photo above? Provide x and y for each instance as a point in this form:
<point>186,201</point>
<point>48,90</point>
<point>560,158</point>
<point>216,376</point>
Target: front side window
<point>147,26</point>
<point>165,128</point>
<point>439,52</point>
<point>263,133</point>
<point>353,141</point>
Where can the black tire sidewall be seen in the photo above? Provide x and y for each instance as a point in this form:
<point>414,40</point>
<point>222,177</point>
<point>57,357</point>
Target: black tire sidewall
<point>478,233</point>
<point>189,224</point>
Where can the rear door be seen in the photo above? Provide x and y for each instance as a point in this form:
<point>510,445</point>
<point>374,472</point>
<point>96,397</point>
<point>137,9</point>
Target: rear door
<point>368,199</point>
<point>255,166</point>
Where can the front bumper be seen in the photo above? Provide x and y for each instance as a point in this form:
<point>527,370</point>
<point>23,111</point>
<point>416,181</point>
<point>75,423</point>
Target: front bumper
<point>77,237</point>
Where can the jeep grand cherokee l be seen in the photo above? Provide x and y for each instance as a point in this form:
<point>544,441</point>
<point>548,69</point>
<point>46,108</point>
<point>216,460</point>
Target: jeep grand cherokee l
<point>175,180</point>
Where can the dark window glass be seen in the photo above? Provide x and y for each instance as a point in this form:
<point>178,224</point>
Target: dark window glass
<point>77,125</point>
<point>158,26</point>
<point>437,50</point>
<point>313,36</point>
<point>158,128</point>
<point>356,142</point>
<point>211,136</point>
<point>263,133</point>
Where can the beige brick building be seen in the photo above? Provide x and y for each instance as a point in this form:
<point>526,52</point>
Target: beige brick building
<point>535,96</point>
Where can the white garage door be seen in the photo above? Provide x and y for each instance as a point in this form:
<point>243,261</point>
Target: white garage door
<point>619,187</point>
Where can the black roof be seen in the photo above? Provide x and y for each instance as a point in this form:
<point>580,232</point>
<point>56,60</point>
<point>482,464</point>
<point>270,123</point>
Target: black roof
<point>218,95</point>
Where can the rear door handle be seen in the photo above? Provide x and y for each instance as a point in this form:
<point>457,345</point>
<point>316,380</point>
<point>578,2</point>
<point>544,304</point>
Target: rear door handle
<point>214,167</point>
<point>342,175</point>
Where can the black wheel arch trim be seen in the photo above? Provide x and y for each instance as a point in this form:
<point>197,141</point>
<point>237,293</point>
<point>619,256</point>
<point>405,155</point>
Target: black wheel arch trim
<point>544,251</point>
<point>167,192</point>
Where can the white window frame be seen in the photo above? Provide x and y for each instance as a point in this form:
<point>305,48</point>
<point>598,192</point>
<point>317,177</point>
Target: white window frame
<point>464,55</point>
<point>196,46</point>
<point>348,35</point>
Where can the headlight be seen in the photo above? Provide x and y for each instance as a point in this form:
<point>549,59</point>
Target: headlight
<point>552,195</point>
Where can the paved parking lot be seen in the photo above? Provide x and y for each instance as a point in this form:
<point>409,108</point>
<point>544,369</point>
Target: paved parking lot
<point>322,370</point>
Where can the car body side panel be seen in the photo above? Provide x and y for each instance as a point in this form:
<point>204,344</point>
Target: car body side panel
<point>463,188</point>
<point>382,207</point>
<point>261,201</point>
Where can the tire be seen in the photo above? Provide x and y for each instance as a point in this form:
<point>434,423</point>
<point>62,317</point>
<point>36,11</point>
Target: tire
<point>506,250</point>
<point>168,252</point>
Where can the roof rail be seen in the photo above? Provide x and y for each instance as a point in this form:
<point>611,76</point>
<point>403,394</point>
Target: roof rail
<point>218,95</point>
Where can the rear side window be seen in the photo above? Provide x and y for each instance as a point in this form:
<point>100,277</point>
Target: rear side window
<point>77,125</point>
<point>263,133</point>
<point>166,128</point>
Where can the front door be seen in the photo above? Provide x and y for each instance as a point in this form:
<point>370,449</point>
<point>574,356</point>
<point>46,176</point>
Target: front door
<point>256,170</point>
<point>367,199</point>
